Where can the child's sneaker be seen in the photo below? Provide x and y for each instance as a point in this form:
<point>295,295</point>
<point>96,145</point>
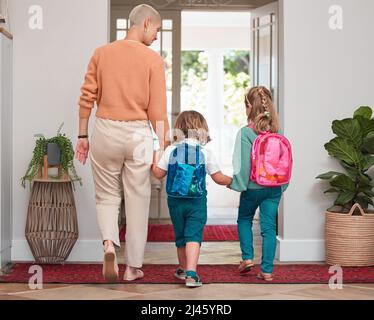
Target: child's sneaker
<point>193,280</point>
<point>180,274</point>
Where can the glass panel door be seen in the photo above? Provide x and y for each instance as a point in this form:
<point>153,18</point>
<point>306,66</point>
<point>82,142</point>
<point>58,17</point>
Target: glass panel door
<point>265,48</point>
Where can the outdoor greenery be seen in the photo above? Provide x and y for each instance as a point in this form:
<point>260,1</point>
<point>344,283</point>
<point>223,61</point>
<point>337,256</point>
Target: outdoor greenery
<point>353,147</point>
<point>66,160</point>
<point>194,80</point>
<point>194,63</point>
<point>236,81</point>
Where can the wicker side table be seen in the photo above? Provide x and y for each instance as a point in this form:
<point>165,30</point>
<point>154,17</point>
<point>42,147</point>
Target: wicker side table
<point>51,225</point>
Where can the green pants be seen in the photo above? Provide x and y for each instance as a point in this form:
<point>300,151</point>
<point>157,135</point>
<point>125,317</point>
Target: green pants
<point>268,200</point>
<point>189,217</point>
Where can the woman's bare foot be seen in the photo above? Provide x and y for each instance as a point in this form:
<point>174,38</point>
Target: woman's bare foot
<point>110,266</point>
<point>132,274</point>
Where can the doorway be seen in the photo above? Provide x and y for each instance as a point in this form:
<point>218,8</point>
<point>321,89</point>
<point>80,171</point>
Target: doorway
<point>215,64</point>
<point>211,57</point>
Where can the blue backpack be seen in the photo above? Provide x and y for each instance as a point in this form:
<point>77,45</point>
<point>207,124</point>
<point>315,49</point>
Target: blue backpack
<point>186,172</point>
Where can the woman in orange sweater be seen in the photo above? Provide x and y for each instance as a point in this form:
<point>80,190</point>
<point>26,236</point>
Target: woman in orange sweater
<point>126,79</point>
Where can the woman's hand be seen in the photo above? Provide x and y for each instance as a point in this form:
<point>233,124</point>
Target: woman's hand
<point>157,172</point>
<point>81,150</point>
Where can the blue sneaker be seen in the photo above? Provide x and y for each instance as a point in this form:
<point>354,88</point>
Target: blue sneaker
<point>180,274</point>
<point>193,280</point>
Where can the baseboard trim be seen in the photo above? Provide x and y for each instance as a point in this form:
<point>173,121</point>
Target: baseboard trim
<point>91,251</point>
<point>301,250</point>
<point>83,251</point>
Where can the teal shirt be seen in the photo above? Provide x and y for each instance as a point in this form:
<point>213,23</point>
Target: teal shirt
<point>242,161</point>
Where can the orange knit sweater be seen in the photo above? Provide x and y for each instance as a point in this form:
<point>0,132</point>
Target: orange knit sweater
<point>127,81</point>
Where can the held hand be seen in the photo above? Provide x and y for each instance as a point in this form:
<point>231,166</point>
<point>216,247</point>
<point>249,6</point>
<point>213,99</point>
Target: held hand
<point>229,184</point>
<point>157,172</point>
<point>81,150</point>
<point>153,167</point>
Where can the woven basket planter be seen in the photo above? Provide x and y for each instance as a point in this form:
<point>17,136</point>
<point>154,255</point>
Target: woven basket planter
<point>350,238</point>
<point>51,225</point>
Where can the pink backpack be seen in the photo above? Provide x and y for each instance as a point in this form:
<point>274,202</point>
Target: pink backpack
<point>271,160</point>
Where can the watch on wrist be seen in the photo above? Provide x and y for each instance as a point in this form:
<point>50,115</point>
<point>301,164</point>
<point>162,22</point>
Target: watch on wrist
<point>83,136</point>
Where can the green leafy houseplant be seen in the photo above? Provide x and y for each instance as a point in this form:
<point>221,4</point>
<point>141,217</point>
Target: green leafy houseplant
<point>353,147</point>
<point>66,160</point>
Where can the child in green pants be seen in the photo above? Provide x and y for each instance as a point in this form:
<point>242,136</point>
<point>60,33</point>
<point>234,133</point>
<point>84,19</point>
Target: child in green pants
<point>261,117</point>
<point>186,163</point>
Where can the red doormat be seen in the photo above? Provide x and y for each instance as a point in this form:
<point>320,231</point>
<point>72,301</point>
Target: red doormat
<point>163,274</point>
<point>165,233</point>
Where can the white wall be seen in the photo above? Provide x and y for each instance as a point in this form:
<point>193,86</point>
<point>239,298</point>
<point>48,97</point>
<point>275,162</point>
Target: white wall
<point>49,68</point>
<point>327,75</point>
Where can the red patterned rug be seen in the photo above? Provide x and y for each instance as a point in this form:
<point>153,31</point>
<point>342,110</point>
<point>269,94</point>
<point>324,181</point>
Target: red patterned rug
<point>163,274</point>
<point>165,233</point>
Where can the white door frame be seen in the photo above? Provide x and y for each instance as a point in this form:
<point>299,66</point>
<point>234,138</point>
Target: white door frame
<point>276,66</point>
<point>272,11</point>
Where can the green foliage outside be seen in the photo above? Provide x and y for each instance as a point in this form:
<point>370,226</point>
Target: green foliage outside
<point>236,81</point>
<point>194,76</point>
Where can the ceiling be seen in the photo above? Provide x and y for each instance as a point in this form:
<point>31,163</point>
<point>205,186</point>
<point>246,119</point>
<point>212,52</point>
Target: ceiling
<point>195,4</point>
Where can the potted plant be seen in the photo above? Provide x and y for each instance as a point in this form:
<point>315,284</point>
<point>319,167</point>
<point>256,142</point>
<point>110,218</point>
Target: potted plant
<point>350,234</point>
<point>60,151</point>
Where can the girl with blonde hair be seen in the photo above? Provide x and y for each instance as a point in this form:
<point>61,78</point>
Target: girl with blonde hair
<point>262,117</point>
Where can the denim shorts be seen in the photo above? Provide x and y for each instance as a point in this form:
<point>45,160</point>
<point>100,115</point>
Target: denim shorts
<point>189,217</point>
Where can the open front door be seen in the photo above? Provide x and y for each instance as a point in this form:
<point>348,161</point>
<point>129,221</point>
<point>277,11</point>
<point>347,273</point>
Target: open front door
<point>265,61</point>
<point>168,45</point>
<point>265,66</point>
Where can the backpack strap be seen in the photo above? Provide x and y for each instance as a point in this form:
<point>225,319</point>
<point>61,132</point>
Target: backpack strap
<point>197,148</point>
<point>197,155</point>
<point>253,136</point>
<point>175,152</point>
<point>186,153</point>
